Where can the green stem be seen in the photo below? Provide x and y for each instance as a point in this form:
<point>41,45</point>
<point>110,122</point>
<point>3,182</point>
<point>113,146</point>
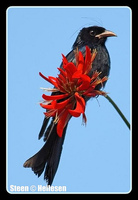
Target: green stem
<point>118,110</point>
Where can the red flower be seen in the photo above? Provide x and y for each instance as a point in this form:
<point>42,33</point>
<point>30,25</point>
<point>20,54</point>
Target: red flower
<point>73,84</point>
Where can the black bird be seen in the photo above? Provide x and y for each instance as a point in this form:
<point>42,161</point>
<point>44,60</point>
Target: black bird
<point>49,155</point>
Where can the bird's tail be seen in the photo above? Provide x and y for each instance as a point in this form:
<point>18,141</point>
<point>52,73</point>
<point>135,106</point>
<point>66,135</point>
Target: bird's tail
<point>49,155</point>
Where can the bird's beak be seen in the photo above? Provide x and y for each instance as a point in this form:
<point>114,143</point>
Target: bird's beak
<point>106,33</point>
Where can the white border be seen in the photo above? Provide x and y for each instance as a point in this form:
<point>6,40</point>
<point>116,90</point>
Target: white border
<point>11,7</point>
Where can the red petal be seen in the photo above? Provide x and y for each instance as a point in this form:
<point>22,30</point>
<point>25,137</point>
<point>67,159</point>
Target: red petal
<point>88,61</point>
<point>54,97</point>
<point>55,105</point>
<point>50,113</point>
<point>88,55</point>
<point>77,74</point>
<point>62,78</point>
<point>81,61</point>
<point>44,77</point>
<point>62,72</point>
<point>62,122</point>
<point>70,69</point>
<point>85,83</point>
<point>64,60</point>
<point>63,119</point>
<point>50,79</point>
<point>80,106</point>
<point>62,104</point>
<point>49,106</point>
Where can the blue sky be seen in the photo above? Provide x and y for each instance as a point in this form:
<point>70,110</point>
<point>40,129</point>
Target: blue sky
<point>96,158</point>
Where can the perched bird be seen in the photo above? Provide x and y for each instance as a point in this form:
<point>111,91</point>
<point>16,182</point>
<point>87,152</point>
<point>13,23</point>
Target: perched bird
<point>49,155</point>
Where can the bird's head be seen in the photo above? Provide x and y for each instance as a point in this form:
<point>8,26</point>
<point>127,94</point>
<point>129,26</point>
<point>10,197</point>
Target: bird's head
<point>92,36</point>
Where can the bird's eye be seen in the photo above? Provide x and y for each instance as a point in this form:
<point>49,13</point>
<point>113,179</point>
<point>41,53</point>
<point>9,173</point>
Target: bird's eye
<point>92,33</point>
